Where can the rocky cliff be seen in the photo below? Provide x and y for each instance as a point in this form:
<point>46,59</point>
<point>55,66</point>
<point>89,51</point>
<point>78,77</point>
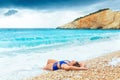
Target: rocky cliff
<point>102,19</point>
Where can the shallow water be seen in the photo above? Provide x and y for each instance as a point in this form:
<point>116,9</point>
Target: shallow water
<point>25,51</point>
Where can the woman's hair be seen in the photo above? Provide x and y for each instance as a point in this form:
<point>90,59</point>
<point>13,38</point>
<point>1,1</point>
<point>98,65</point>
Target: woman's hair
<point>76,64</point>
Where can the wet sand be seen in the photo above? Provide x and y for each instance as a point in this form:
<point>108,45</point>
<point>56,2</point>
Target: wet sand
<point>98,69</point>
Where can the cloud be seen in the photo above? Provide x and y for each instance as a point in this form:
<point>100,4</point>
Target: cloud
<point>27,18</point>
<point>45,4</point>
<point>47,18</point>
<point>10,12</point>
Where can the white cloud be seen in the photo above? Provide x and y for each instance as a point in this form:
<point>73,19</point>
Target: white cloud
<point>38,19</point>
<point>26,18</point>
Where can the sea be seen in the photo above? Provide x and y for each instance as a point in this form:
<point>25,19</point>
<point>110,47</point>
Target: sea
<point>24,52</point>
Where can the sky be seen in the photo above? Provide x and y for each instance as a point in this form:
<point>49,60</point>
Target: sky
<point>48,13</point>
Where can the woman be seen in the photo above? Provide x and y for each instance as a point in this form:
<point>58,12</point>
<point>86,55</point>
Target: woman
<point>64,64</point>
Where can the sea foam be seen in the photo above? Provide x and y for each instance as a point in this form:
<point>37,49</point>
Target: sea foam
<point>22,59</point>
<point>17,67</point>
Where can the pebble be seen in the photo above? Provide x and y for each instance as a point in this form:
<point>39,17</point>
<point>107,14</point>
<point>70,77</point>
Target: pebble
<point>98,70</point>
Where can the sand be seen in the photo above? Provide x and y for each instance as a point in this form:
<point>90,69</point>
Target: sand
<point>99,69</point>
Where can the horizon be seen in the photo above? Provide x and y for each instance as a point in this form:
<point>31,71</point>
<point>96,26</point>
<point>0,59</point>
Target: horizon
<point>48,13</point>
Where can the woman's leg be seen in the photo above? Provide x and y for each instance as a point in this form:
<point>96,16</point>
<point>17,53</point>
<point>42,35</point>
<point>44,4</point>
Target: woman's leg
<point>51,61</point>
<point>48,67</point>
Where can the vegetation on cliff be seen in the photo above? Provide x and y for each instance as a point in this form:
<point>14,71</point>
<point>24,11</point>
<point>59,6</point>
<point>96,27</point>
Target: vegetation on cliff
<point>93,13</point>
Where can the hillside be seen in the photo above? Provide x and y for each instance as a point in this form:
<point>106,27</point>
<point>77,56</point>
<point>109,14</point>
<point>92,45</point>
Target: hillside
<point>101,19</point>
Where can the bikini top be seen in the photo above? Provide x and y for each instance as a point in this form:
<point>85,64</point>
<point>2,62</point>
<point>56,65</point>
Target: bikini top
<point>55,67</point>
<point>63,62</point>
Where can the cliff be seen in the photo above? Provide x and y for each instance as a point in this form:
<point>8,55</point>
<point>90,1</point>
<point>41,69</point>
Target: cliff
<point>102,19</point>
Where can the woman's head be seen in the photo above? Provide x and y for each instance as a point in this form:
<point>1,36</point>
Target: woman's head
<point>75,63</point>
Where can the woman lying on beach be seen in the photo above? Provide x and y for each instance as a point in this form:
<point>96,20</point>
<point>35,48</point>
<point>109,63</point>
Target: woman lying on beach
<point>64,64</point>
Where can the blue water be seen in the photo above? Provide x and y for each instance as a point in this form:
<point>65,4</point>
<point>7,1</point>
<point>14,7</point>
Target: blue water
<point>35,46</point>
<point>47,38</point>
<point>11,38</point>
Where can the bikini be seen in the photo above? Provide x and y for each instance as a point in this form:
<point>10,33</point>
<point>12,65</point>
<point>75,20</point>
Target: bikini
<point>55,67</point>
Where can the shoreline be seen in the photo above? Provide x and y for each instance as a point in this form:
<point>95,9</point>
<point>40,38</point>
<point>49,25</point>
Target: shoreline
<point>98,68</point>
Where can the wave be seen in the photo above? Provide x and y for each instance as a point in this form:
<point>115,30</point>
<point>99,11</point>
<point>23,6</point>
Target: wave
<point>14,67</point>
<point>54,43</point>
<point>27,53</point>
<point>32,49</point>
<point>37,41</point>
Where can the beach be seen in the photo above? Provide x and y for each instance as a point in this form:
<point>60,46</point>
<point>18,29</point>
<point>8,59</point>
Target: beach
<point>23,52</point>
<point>104,67</point>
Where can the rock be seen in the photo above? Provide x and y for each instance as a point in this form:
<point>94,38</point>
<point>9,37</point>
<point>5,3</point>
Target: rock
<point>102,19</point>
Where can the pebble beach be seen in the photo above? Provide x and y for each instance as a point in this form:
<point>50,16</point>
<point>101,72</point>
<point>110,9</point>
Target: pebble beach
<point>105,67</point>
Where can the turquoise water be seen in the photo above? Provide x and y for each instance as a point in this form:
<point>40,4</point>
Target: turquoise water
<point>18,38</point>
<point>47,38</point>
<point>28,49</point>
